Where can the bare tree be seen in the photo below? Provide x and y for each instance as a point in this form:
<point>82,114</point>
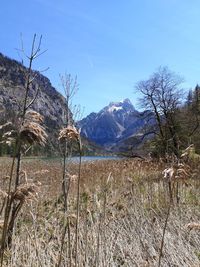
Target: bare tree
<point>70,87</point>
<point>161,94</point>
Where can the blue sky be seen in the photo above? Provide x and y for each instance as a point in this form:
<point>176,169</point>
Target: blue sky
<point>109,45</point>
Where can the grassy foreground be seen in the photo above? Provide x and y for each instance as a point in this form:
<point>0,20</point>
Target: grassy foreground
<point>123,210</point>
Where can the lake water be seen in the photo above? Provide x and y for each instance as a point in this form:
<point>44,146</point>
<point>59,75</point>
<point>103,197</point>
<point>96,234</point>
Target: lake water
<point>83,158</point>
<point>94,158</point>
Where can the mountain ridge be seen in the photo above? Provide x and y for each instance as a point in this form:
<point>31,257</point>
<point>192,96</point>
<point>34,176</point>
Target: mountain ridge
<point>113,125</point>
<point>49,102</point>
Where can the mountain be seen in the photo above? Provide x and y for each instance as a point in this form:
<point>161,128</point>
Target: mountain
<point>115,125</point>
<point>49,102</point>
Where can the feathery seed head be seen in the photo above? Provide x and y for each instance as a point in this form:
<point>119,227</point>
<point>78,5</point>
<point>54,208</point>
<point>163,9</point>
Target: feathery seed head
<point>34,116</point>
<point>168,173</point>
<point>31,130</point>
<point>26,192</point>
<point>69,133</point>
<point>193,225</point>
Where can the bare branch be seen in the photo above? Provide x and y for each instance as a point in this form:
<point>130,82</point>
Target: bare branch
<point>34,98</point>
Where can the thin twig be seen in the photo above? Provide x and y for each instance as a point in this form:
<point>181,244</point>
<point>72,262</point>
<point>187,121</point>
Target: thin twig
<point>78,205</point>
<point>163,235</point>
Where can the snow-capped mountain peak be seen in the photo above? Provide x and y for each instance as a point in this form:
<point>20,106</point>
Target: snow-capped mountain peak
<point>114,108</point>
<point>114,126</point>
<point>123,106</point>
<point>111,123</point>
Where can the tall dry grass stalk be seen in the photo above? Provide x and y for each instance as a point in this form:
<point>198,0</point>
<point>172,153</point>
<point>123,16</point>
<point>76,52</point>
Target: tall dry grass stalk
<point>67,137</point>
<point>164,232</point>
<point>30,131</point>
<point>78,203</point>
<point>173,175</point>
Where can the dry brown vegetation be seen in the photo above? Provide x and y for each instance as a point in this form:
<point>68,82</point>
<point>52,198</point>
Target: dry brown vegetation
<point>123,209</point>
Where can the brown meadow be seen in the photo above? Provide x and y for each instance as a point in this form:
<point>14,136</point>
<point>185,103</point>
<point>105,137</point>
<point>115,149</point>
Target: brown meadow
<point>123,207</point>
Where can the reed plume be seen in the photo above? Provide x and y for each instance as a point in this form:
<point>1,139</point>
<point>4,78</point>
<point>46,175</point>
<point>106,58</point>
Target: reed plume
<point>69,133</point>
<point>31,131</point>
<point>193,226</point>
<point>26,191</point>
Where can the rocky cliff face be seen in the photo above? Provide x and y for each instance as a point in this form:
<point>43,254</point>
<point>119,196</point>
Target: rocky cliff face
<point>49,102</point>
<point>114,125</point>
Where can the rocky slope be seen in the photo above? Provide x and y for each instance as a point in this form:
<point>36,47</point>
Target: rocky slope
<point>49,102</point>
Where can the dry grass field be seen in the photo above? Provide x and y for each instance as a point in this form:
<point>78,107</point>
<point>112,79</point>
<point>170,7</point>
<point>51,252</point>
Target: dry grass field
<point>124,210</point>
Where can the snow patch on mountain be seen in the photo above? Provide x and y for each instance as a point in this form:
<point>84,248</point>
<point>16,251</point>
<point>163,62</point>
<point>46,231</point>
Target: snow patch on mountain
<point>114,108</point>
